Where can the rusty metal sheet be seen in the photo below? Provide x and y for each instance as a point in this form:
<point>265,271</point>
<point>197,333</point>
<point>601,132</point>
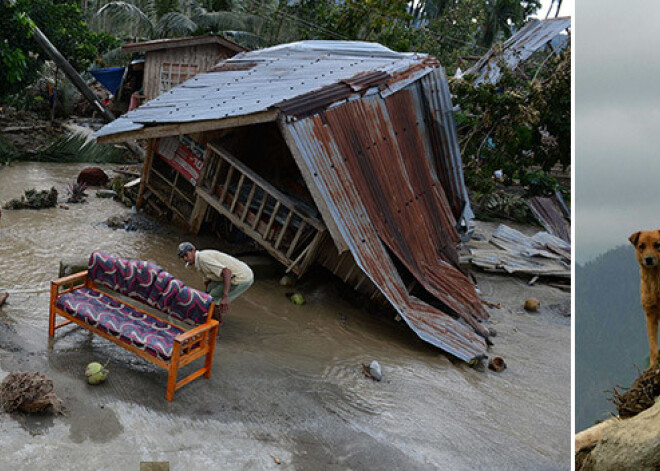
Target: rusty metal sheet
<point>366,158</point>
<point>549,214</point>
<point>443,133</point>
<point>534,35</point>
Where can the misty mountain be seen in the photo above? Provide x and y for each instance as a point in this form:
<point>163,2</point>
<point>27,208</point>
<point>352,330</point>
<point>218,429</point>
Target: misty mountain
<point>610,332</point>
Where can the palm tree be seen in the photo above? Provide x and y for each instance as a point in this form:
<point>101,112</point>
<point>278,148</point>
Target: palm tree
<point>154,19</point>
<point>504,16</point>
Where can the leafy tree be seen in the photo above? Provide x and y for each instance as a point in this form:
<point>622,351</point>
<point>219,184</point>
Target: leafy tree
<point>61,22</point>
<point>521,127</point>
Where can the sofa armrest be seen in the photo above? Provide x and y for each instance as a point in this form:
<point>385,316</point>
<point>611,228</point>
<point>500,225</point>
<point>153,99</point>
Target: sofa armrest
<point>70,279</point>
<point>196,331</point>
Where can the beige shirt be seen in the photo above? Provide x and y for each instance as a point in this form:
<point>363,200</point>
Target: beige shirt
<point>211,263</point>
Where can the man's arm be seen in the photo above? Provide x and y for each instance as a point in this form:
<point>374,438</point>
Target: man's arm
<point>224,303</point>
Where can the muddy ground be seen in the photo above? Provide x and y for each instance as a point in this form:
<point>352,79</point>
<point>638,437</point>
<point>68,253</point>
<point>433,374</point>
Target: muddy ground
<point>287,384</point>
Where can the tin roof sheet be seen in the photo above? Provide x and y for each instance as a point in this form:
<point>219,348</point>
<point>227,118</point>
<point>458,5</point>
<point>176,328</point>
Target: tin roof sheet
<point>518,48</point>
<point>300,77</point>
<point>367,161</point>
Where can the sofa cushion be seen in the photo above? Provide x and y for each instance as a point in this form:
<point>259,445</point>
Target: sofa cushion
<point>103,269</point>
<point>139,280</point>
<point>191,305</point>
<point>120,320</point>
<point>163,292</point>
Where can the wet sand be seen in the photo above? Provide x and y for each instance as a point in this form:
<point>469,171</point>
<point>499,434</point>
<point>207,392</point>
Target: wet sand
<point>287,380</point>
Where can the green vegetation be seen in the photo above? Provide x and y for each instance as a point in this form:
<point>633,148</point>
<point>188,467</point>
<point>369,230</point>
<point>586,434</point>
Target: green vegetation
<point>71,148</point>
<point>62,22</point>
<point>519,126</point>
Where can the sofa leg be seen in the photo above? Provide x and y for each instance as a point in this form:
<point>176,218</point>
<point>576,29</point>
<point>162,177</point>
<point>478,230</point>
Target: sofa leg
<point>51,315</point>
<point>174,369</point>
<point>208,362</point>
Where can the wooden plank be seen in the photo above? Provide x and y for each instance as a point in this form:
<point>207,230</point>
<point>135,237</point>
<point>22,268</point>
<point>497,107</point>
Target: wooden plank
<point>146,168</point>
<point>284,228</point>
<point>277,194</point>
<point>208,156</point>
<point>272,220</point>
<point>249,201</point>
<point>299,258</point>
<point>218,170</point>
<point>197,215</point>
<point>237,193</point>
<point>181,193</point>
<point>316,245</point>
<point>260,211</point>
<point>176,179</point>
<point>162,197</point>
<point>164,130</point>
<point>225,187</point>
<point>299,232</point>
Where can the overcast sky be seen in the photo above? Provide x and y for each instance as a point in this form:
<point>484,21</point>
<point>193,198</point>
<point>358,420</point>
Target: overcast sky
<point>617,158</point>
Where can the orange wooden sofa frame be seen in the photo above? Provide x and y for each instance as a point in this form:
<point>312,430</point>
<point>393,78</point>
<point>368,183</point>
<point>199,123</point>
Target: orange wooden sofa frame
<point>199,341</point>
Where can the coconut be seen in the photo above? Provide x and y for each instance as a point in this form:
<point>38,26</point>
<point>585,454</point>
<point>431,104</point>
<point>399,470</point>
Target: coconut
<point>298,299</point>
<point>96,373</point>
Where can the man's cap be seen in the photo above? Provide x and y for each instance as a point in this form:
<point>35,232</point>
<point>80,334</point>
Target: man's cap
<point>184,248</point>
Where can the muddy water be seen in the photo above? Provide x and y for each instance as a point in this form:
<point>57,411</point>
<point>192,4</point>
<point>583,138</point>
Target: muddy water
<point>287,380</point>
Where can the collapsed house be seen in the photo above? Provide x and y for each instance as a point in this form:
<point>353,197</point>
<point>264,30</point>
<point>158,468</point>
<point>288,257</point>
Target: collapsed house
<point>338,153</point>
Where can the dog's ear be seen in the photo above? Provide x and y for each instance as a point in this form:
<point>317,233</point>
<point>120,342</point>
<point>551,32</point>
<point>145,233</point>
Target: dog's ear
<point>634,238</point>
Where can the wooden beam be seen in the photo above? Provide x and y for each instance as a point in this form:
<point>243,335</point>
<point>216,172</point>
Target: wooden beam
<point>283,229</point>
<point>272,220</point>
<point>146,168</point>
<point>237,193</point>
<point>260,211</point>
<point>176,129</point>
<point>292,247</point>
<point>249,201</point>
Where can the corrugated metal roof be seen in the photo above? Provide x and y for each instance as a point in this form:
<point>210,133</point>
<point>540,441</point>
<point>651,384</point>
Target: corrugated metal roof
<point>282,76</point>
<point>518,48</point>
<point>366,159</point>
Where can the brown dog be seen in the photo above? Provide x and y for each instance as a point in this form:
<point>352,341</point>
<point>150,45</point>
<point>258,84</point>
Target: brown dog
<point>647,251</point>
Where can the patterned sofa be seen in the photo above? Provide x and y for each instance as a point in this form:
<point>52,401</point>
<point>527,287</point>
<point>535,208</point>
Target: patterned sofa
<point>79,300</point>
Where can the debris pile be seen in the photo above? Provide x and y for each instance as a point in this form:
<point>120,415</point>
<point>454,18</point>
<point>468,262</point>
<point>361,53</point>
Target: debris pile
<point>515,253</point>
<point>34,199</point>
<point>29,391</point>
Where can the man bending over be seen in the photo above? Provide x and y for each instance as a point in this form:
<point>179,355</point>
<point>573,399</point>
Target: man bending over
<point>225,277</point>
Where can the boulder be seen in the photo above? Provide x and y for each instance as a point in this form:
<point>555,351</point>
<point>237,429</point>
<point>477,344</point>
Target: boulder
<point>93,176</point>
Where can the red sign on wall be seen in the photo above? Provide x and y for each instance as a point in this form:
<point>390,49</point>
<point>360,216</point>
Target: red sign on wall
<point>186,161</point>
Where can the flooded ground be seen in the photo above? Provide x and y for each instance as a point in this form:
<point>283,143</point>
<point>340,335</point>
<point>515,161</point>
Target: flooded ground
<point>287,382</point>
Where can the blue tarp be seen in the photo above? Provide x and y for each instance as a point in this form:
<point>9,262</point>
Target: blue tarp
<point>110,78</point>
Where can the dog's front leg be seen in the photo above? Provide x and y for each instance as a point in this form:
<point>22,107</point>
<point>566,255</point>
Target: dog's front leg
<point>652,317</point>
